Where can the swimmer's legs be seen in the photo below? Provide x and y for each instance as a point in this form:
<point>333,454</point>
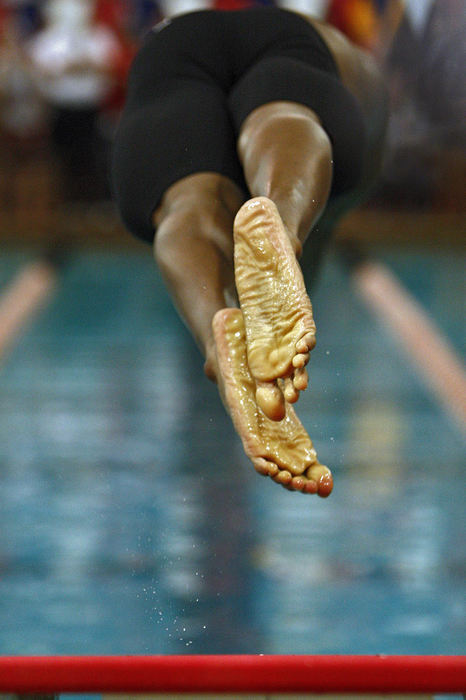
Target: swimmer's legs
<point>194,250</point>
<point>287,161</point>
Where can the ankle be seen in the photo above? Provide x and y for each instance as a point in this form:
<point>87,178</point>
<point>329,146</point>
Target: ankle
<point>295,243</point>
<point>210,364</point>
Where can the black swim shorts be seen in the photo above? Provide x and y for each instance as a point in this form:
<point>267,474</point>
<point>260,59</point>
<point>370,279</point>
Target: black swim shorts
<point>193,83</point>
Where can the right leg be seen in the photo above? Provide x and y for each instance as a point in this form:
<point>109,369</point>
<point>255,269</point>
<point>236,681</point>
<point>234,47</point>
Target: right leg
<point>287,157</point>
<point>287,162</point>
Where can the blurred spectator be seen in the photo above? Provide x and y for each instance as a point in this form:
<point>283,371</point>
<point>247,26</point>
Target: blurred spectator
<point>74,61</point>
<point>26,181</point>
<point>127,20</point>
<point>69,79</point>
<point>358,19</point>
<point>426,164</point>
<point>22,110</point>
<point>441,84</point>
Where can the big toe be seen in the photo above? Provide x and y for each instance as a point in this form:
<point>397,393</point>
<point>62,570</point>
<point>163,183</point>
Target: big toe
<point>322,476</point>
<point>270,399</point>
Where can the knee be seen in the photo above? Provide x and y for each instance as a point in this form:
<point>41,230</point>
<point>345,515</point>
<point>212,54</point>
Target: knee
<point>169,233</point>
<point>202,206</point>
<point>273,122</point>
<point>176,235</point>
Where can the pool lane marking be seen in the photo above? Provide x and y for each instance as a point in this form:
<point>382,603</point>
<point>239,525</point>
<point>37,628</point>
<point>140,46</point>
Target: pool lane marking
<point>431,353</point>
<point>23,298</point>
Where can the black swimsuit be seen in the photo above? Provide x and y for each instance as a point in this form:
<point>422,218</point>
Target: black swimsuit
<point>193,83</point>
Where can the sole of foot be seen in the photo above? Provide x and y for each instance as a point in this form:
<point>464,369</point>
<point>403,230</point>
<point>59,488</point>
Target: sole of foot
<point>280,329</point>
<point>281,450</point>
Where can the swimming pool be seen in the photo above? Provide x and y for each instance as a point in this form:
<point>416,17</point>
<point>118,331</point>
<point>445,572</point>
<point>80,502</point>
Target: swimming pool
<point>132,523</point>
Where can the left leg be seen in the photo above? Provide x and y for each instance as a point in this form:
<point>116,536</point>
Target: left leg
<point>193,248</point>
<point>298,127</point>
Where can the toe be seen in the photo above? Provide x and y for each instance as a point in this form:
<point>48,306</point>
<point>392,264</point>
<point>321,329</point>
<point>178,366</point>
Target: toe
<point>310,486</point>
<point>325,485</point>
<point>270,399</point>
<point>306,343</point>
<point>297,483</point>
<point>264,467</point>
<point>310,339</point>
<point>300,360</point>
<point>322,477</point>
<point>261,466</point>
<point>290,392</point>
<point>300,379</point>
<point>283,477</point>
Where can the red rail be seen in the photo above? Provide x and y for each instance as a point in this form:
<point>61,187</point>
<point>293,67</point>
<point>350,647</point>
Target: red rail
<point>237,674</point>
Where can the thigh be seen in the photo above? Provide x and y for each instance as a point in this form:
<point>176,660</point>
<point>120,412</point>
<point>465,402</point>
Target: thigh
<point>187,131</point>
<point>295,65</point>
<point>286,78</point>
<point>176,121</point>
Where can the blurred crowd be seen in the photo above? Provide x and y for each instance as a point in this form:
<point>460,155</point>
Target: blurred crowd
<point>63,65</point>
<point>63,68</point>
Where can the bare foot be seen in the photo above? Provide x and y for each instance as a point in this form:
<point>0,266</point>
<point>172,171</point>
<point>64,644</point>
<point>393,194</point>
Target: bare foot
<point>280,329</point>
<point>280,450</point>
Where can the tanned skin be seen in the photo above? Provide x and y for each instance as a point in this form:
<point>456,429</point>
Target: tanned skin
<point>231,266</point>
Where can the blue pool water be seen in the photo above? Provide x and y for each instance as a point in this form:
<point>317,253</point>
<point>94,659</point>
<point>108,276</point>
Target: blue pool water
<point>132,523</point>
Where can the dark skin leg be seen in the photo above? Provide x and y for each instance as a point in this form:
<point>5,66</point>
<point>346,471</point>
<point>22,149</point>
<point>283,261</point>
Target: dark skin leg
<point>194,241</point>
<point>194,251</point>
<point>194,248</point>
<point>287,157</point>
